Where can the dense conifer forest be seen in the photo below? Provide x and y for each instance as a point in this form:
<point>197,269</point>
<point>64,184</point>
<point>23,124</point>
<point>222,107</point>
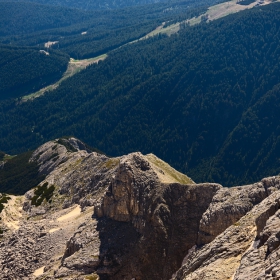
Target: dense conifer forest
<point>25,70</point>
<point>19,175</point>
<point>94,4</point>
<point>87,34</point>
<point>205,100</point>
<point>26,18</point>
<point>105,5</point>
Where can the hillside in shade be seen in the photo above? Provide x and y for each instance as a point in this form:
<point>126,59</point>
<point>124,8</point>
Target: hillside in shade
<point>24,70</point>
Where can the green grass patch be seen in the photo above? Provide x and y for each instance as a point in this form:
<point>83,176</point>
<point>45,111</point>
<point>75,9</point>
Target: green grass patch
<point>237,224</point>
<point>112,162</point>
<point>41,193</point>
<point>8,157</point>
<point>92,277</point>
<point>169,171</point>
<point>5,157</point>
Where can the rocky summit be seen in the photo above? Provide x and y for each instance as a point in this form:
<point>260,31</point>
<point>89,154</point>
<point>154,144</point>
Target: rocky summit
<point>135,217</point>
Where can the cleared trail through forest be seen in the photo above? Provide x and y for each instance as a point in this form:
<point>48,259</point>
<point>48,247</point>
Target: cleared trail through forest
<point>74,66</point>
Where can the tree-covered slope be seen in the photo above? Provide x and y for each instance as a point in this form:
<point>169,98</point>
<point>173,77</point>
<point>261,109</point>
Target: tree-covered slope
<point>24,70</point>
<point>94,4</point>
<point>25,18</point>
<point>99,4</point>
<point>87,34</point>
<point>18,175</point>
<point>254,144</point>
<point>195,99</point>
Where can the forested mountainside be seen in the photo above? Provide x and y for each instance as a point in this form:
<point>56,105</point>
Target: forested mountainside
<point>17,175</point>
<point>75,32</point>
<point>24,70</point>
<point>87,34</point>
<point>25,18</point>
<point>95,4</point>
<point>206,101</point>
<point>101,5</point>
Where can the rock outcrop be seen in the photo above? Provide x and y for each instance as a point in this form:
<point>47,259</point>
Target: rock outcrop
<point>165,216</point>
<point>246,250</point>
<point>135,217</point>
<point>147,217</point>
<point>227,207</point>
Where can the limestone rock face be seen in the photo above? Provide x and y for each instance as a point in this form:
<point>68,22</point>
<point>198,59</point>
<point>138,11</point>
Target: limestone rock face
<point>227,207</point>
<point>135,217</point>
<point>145,226</point>
<point>165,216</point>
<point>246,250</point>
<point>54,153</point>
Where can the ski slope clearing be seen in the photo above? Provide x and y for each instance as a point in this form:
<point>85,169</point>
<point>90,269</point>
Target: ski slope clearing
<point>74,67</point>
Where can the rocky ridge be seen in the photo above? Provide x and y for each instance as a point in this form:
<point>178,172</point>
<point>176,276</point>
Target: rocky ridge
<point>135,217</point>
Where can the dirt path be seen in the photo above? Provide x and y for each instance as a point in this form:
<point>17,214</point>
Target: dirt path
<point>66,218</point>
<point>12,213</point>
<point>60,226</point>
<point>213,13</point>
<point>39,271</point>
<point>71,215</point>
<point>75,66</point>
